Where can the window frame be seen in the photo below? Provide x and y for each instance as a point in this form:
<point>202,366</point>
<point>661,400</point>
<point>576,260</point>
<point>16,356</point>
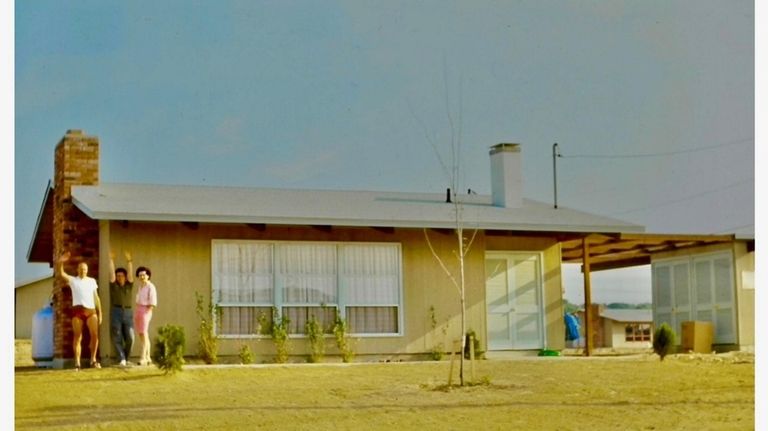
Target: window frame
<point>342,293</point>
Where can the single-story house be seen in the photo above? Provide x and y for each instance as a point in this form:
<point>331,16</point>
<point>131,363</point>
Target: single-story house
<point>29,297</point>
<point>622,328</point>
<point>371,257</point>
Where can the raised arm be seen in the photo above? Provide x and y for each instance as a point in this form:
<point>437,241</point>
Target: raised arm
<point>60,265</point>
<point>130,266</point>
<point>111,266</point>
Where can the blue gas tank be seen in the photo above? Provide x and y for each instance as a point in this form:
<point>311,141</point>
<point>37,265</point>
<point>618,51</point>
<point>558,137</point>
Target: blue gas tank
<point>42,337</point>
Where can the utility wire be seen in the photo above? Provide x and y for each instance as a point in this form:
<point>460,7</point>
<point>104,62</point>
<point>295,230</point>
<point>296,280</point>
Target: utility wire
<point>647,155</point>
<point>735,228</point>
<point>670,202</point>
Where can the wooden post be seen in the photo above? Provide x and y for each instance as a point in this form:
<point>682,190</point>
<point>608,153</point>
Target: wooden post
<point>450,371</point>
<point>471,357</point>
<point>587,297</point>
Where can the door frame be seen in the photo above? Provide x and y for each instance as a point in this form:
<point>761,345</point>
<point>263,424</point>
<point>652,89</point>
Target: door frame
<point>540,292</point>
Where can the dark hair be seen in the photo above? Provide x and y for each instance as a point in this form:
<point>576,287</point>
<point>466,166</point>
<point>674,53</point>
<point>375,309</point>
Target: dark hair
<point>119,270</point>
<point>145,269</point>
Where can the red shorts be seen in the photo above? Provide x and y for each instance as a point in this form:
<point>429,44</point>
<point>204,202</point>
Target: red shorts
<point>82,313</point>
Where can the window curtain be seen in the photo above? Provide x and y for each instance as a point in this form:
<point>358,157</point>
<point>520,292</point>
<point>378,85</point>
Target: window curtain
<point>370,275</point>
<point>242,280</point>
<point>307,273</point>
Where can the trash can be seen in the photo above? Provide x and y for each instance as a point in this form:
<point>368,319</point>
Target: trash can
<point>42,337</point>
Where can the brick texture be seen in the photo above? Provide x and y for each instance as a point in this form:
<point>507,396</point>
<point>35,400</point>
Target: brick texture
<point>76,162</point>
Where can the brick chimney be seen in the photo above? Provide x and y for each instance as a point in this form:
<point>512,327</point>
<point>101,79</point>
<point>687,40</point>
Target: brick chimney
<point>76,162</point>
<point>506,176</point>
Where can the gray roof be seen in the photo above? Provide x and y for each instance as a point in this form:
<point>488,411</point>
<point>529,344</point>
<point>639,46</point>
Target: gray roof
<point>146,202</point>
<point>628,316</point>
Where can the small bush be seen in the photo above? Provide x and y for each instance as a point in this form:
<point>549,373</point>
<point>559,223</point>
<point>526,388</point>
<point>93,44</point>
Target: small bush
<point>341,333</point>
<point>663,340</point>
<point>438,349</point>
<point>316,340</point>
<point>169,348</point>
<point>208,346</point>
<point>246,357</point>
<point>278,330</point>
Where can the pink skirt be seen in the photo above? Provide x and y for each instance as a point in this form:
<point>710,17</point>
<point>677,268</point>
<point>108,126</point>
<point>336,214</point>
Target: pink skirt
<point>141,318</point>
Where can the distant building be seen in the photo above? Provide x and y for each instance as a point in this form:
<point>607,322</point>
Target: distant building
<point>29,297</point>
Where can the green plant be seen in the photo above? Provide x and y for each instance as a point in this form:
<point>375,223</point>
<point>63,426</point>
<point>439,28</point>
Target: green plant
<point>663,340</point>
<point>478,353</point>
<point>208,345</point>
<point>341,333</point>
<point>169,348</point>
<point>278,330</point>
<point>438,349</point>
<point>316,339</point>
<point>246,357</point>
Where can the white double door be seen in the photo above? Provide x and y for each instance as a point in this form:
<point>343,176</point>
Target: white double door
<point>696,288</point>
<point>513,290</point>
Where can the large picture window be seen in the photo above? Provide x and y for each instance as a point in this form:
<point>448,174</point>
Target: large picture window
<point>360,281</point>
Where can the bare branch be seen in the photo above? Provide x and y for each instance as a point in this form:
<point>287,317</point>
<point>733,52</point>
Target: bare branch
<point>432,143</point>
<point>440,261</point>
<point>471,240</point>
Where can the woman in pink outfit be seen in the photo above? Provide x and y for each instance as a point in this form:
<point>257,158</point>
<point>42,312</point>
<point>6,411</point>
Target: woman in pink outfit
<point>146,301</point>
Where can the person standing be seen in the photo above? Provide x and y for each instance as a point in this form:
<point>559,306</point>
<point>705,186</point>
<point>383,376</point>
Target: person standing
<point>86,308</point>
<point>146,301</point>
<point>121,301</point>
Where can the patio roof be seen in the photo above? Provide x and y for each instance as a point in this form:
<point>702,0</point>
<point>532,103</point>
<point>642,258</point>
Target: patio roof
<point>611,251</point>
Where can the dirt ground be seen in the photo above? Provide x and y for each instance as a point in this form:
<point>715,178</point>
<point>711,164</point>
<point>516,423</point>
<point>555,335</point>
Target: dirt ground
<point>686,391</point>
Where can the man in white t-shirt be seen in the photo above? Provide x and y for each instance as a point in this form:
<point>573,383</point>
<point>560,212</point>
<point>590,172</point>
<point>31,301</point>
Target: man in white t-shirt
<point>86,308</point>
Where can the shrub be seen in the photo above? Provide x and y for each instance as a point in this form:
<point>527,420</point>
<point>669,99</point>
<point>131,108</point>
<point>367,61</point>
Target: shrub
<point>208,346</point>
<point>663,340</point>
<point>278,330</point>
<point>438,349</point>
<point>246,357</point>
<point>316,340</point>
<point>341,333</point>
<point>169,348</point>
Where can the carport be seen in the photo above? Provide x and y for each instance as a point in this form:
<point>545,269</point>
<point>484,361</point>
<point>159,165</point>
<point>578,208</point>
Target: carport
<point>600,252</point>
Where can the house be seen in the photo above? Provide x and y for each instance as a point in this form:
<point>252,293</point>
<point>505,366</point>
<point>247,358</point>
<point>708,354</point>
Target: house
<point>368,256</point>
<point>29,297</point>
<point>621,328</point>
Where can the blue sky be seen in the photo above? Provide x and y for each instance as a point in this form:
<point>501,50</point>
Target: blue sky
<point>333,95</point>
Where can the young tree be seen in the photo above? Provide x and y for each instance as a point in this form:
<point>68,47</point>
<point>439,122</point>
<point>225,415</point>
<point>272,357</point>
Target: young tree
<point>452,174</point>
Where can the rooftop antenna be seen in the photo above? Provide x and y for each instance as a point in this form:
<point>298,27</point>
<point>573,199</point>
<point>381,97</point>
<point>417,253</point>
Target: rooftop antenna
<point>555,155</point>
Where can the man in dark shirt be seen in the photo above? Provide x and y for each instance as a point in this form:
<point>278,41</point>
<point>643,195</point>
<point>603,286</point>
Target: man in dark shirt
<point>121,302</point>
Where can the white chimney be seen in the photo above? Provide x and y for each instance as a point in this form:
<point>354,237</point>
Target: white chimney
<point>506,176</point>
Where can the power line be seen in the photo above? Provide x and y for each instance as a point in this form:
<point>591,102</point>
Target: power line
<point>735,228</point>
<point>674,201</point>
<point>647,155</point>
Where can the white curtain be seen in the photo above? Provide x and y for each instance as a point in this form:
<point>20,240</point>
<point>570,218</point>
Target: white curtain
<point>307,273</point>
<point>242,279</point>
<point>370,274</point>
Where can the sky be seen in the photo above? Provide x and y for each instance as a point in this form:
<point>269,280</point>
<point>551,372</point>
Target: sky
<point>651,103</point>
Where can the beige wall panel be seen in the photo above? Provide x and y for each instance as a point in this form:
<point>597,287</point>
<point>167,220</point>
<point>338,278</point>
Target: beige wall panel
<point>180,259</point>
<point>745,264</point>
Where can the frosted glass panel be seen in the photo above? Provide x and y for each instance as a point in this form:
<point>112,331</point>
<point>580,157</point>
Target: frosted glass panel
<point>723,280</point>
<point>704,282</point>
<point>664,286</point>
<point>682,297</point>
